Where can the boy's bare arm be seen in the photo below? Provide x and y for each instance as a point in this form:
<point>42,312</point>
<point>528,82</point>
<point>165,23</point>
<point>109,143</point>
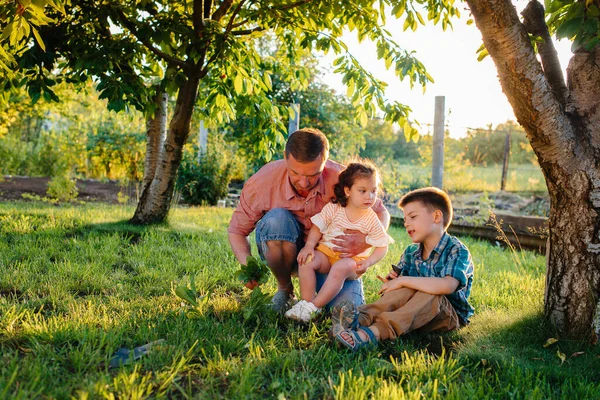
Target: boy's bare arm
<point>431,285</point>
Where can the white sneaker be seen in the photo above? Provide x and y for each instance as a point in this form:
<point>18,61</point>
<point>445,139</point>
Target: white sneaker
<point>302,311</point>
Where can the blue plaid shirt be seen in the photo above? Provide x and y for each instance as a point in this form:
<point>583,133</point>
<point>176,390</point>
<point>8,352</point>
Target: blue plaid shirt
<point>449,258</point>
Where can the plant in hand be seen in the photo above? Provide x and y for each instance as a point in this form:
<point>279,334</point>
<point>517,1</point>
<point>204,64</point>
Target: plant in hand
<point>254,273</point>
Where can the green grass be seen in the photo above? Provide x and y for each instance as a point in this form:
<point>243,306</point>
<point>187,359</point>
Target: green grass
<point>77,283</point>
<point>460,178</point>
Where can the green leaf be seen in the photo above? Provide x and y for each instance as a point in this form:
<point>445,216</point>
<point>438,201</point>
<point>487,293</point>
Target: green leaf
<point>569,28</point>
<point>420,18</point>
<point>184,293</point>
<point>238,84</point>
<point>38,39</point>
<point>364,118</point>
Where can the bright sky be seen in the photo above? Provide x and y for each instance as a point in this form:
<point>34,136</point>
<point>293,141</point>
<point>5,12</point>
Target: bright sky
<point>472,91</point>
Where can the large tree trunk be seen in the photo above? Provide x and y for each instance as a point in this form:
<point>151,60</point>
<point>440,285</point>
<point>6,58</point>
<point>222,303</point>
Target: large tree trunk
<point>566,145</point>
<point>156,198</point>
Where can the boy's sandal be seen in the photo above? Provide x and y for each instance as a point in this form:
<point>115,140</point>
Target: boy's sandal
<point>358,342</point>
<point>344,316</point>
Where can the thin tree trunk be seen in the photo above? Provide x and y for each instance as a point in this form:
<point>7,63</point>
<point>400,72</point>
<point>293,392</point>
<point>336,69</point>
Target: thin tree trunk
<point>156,200</point>
<point>565,144</point>
<point>156,132</point>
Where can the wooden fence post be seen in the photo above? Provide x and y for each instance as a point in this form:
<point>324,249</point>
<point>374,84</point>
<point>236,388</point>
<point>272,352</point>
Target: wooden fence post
<point>505,163</point>
<point>437,157</point>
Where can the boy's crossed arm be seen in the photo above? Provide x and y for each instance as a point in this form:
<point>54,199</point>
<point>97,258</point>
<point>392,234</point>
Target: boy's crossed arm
<point>431,285</point>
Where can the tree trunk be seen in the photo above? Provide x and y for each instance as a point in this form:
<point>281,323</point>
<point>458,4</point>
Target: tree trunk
<point>156,131</point>
<point>155,201</point>
<point>566,145</point>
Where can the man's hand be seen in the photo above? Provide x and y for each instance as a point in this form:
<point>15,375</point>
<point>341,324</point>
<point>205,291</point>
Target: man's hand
<point>351,243</point>
<point>251,284</point>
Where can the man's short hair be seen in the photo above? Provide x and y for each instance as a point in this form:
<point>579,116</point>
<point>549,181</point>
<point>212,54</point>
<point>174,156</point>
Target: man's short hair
<point>306,145</point>
<point>432,198</point>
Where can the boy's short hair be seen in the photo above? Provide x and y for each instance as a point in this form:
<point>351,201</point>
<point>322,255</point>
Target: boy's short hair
<point>432,198</point>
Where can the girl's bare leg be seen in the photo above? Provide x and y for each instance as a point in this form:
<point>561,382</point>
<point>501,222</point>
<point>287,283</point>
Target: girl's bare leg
<point>339,272</point>
<point>307,275</point>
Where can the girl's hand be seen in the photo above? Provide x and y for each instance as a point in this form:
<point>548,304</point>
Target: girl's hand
<point>391,285</point>
<point>306,255</point>
<point>362,266</point>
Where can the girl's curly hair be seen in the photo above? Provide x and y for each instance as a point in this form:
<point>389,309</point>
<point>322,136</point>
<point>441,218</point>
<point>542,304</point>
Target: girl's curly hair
<point>358,168</point>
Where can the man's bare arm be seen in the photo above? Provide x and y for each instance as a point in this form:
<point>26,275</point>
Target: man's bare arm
<point>240,246</point>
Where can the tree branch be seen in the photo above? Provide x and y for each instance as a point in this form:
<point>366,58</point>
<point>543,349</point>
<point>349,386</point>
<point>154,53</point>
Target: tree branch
<point>551,133</point>
<point>144,40</point>
<point>533,19</point>
<point>222,10</point>
<point>293,5</point>
<point>198,17</point>
<point>235,13</point>
<point>247,31</point>
<point>207,7</point>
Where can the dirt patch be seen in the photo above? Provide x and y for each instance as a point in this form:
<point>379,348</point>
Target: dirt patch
<point>13,188</point>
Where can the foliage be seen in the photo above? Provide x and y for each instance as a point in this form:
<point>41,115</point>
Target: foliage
<point>254,270</point>
<point>320,107</point>
<point>62,188</point>
<point>189,294</point>
<point>20,21</point>
<point>78,284</point>
<point>203,181</point>
<point>77,135</point>
<point>125,48</point>
<point>486,146</point>
<point>578,21</point>
<point>380,140</point>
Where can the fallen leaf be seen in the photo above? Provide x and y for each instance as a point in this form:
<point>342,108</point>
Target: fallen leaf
<point>550,342</point>
<point>538,359</point>
<point>577,354</point>
<point>561,355</point>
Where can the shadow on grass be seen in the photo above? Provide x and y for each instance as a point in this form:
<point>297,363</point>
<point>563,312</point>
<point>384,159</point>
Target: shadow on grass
<point>524,344</point>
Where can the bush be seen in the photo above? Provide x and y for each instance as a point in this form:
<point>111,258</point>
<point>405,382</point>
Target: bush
<point>203,182</point>
<point>62,188</point>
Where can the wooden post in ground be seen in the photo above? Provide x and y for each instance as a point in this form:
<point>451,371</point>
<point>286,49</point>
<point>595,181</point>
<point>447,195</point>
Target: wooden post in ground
<point>505,163</point>
<point>202,141</point>
<point>437,159</point>
<point>294,123</point>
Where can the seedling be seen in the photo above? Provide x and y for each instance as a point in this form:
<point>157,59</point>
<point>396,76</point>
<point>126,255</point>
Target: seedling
<point>254,273</point>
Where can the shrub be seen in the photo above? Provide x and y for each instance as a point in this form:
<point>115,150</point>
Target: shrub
<point>203,181</point>
<point>62,188</point>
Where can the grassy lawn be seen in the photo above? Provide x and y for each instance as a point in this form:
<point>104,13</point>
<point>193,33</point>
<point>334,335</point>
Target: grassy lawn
<point>461,178</point>
<point>77,283</point>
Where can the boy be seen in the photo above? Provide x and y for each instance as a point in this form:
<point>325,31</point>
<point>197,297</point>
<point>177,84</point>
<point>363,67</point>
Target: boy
<point>428,290</point>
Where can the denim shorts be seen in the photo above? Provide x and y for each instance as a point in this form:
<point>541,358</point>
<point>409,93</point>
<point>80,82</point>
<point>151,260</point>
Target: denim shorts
<point>280,224</point>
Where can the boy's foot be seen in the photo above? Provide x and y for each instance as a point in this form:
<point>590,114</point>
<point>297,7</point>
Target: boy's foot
<point>282,301</point>
<point>303,311</point>
<point>357,339</point>
<point>344,316</point>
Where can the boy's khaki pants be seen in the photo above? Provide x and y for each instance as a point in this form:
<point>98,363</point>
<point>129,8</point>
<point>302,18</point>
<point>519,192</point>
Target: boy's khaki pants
<point>403,310</point>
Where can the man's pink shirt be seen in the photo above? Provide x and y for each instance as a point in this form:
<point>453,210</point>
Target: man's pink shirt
<point>270,188</point>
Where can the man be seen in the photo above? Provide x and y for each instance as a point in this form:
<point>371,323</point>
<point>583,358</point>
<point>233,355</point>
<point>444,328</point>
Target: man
<point>279,200</point>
